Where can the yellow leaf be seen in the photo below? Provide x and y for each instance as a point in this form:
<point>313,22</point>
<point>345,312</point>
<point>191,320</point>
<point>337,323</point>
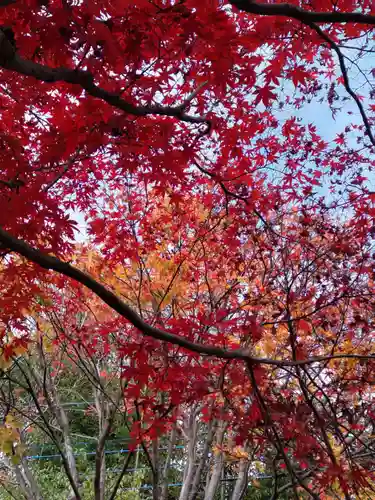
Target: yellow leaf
<point>269,345</point>
<point>12,422</point>
<point>19,350</point>
<point>15,459</point>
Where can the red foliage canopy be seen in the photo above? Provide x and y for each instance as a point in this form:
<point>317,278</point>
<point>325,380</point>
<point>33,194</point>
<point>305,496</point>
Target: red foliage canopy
<point>180,132</point>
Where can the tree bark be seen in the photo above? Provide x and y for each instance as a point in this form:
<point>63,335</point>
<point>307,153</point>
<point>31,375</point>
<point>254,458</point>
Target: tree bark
<point>21,480</point>
<point>202,462</point>
<point>53,402</point>
<point>156,473</point>
<point>218,463</point>
<point>105,420</point>
<point>99,480</point>
<point>31,480</point>
<point>190,432</point>
<point>172,441</point>
<point>241,482</point>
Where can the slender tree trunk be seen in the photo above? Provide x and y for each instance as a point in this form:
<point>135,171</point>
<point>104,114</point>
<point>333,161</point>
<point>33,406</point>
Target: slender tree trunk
<point>202,462</point>
<point>25,479</point>
<point>37,382</point>
<point>22,483</point>
<point>51,396</point>
<point>156,475</point>
<point>21,480</point>
<point>215,477</point>
<point>137,458</point>
<point>104,428</point>
<point>63,421</point>
<point>99,480</point>
<point>190,433</point>
<point>241,482</point>
<point>30,480</point>
<point>172,441</point>
<point>218,463</point>
<point>188,478</point>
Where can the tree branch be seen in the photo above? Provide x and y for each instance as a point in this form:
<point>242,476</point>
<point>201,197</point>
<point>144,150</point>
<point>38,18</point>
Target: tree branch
<point>305,16</point>
<point>53,263</point>
<point>310,19</point>
<point>121,475</point>
<point>11,60</point>
<point>345,77</point>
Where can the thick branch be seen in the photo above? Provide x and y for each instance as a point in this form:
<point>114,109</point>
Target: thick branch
<point>11,60</point>
<point>305,16</point>
<point>52,263</point>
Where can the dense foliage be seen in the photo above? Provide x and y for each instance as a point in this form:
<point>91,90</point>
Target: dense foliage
<point>226,263</point>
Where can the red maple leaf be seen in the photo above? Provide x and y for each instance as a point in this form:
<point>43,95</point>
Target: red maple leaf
<point>265,95</point>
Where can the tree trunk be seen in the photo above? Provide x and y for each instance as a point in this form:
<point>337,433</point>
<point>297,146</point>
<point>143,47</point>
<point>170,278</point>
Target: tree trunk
<point>156,475</point>
<point>38,381</point>
<point>31,480</point>
<point>99,480</point>
<point>25,479</point>
<point>241,482</point>
<point>51,396</point>
<point>22,483</point>
<point>202,462</point>
<point>190,433</point>
<point>104,418</point>
<point>63,422</point>
<point>21,480</point>
<point>218,463</point>
<point>172,440</point>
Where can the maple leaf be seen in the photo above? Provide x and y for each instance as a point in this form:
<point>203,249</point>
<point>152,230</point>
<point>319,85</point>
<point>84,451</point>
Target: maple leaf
<point>340,140</point>
<point>299,75</point>
<point>265,95</point>
<point>304,325</point>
